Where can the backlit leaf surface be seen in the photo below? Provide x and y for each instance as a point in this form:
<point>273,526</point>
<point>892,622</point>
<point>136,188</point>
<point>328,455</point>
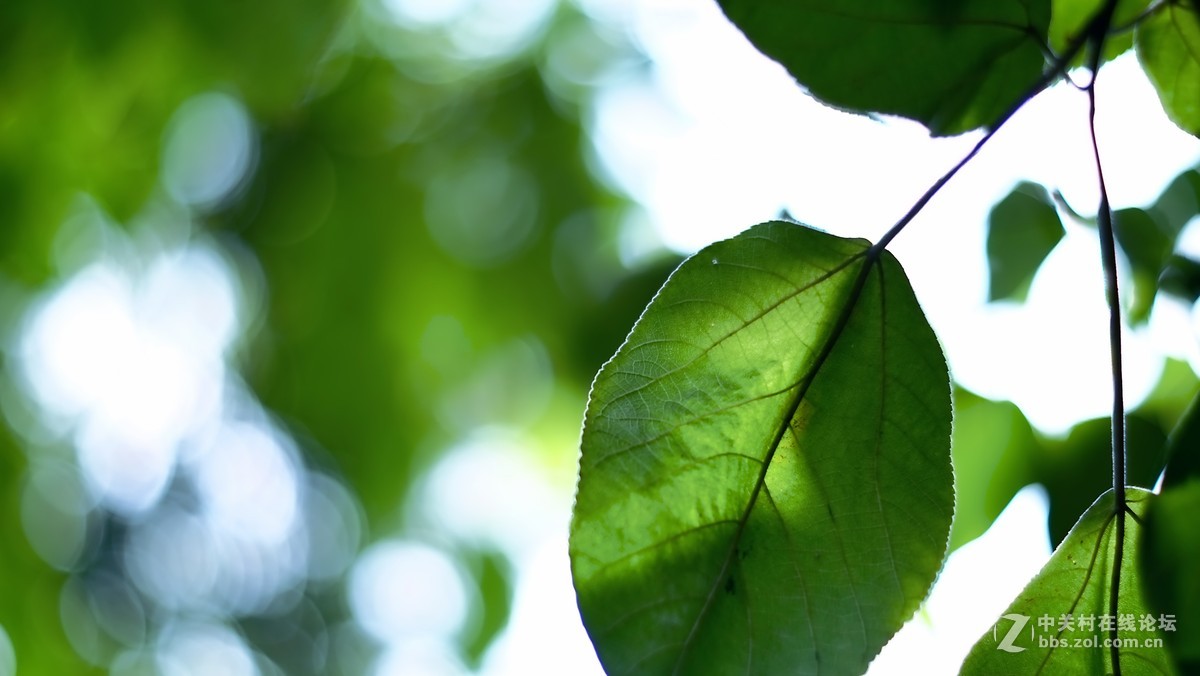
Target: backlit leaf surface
<point>1076,582</point>
<point>765,481</point>
<point>954,66</point>
<point>1168,45</point>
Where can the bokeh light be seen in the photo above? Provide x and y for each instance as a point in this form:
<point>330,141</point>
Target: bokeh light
<point>402,589</point>
<point>209,149</point>
<point>300,306</point>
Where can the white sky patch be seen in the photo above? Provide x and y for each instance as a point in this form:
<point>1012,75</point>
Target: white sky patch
<point>544,634</point>
<point>976,585</point>
<point>420,657</point>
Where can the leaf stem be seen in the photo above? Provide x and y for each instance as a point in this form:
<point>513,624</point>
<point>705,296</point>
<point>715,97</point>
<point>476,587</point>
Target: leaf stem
<point>1057,68</point>
<point>1098,31</point>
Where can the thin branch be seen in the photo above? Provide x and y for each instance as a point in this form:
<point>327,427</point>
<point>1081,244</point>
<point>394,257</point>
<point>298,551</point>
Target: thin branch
<point>1098,31</point>
<point>1057,69</point>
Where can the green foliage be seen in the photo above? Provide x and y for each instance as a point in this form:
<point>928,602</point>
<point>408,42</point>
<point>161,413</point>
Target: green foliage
<point>88,92</point>
<point>427,252</point>
<point>339,217</point>
<point>29,609</point>
<point>1169,550</point>
<point>1171,544</point>
<point>770,443</point>
<point>997,452</point>
<point>1024,227</point>
<point>1076,582</point>
<point>1022,230</point>
<point>953,66</point>
<point>711,438</point>
<point>1168,45</point>
<point>1078,468</point>
<point>1069,20</point>
<point>1148,248</point>
<point>994,446</point>
<point>1183,448</point>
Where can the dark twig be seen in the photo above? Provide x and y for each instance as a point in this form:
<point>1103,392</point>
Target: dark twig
<point>1098,31</point>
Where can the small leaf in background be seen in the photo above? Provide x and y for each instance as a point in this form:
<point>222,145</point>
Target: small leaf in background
<point>997,452</point>
<point>994,450</point>
<point>1181,278</point>
<point>1179,201</point>
<point>1168,46</point>
<point>1183,448</point>
<point>954,66</point>
<point>1078,468</point>
<point>1022,230</point>
<point>765,478</point>
<point>1171,545</point>
<point>1169,550</point>
<point>1147,243</point>
<point>1034,636</point>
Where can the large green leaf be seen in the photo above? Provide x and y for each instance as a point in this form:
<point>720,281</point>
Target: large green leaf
<point>1168,45</point>
<point>1031,636</point>
<point>954,66</point>
<point>1022,230</point>
<point>765,479</point>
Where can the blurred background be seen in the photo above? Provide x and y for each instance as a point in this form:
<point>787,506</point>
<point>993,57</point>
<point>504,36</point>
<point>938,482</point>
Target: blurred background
<point>300,301</point>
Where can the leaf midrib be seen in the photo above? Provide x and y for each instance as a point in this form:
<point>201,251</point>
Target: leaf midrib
<point>870,258</point>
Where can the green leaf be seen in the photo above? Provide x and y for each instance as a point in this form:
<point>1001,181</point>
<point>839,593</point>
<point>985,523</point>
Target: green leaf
<point>1069,20</point>
<point>1023,229</point>
<point>1147,243</point>
<point>994,447</point>
<point>1179,202</point>
<point>1077,581</point>
<point>1181,277</point>
<point>1183,448</point>
<point>765,479</point>
<point>955,66</point>
<point>1078,468</point>
<point>1168,555</point>
<point>1168,45</point>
